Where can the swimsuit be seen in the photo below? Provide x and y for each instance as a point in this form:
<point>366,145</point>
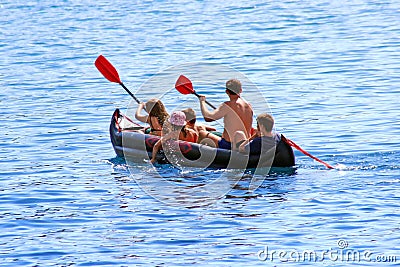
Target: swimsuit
<point>224,144</point>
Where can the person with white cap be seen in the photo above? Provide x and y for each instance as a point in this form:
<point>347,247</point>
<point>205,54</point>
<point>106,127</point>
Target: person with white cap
<point>176,130</point>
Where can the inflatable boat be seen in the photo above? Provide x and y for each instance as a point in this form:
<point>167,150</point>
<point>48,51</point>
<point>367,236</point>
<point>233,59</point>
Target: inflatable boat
<point>131,142</point>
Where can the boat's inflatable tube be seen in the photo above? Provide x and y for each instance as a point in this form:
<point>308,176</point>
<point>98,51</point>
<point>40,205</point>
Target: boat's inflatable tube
<point>136,146</point>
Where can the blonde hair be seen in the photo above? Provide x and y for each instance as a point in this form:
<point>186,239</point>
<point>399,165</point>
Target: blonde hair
<point>156,108</point>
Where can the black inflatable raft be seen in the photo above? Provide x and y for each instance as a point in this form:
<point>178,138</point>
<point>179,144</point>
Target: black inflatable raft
<point>136,146</point>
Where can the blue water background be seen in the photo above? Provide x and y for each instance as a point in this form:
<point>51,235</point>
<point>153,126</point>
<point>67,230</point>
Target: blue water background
<point>328,69</point>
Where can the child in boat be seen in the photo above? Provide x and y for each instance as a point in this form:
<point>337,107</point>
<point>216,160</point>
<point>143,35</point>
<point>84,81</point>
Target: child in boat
<point>191,122</point>
<point>262,141</point>
<point>157,115</point>
<point>175,130</point>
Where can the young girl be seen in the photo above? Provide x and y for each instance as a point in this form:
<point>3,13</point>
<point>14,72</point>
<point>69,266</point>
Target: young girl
<point>192,124</point>
<point>176,130</point>
<point>157,115</point>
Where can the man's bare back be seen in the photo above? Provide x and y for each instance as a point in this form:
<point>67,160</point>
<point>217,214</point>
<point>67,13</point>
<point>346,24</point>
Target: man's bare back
<point>237,115</point>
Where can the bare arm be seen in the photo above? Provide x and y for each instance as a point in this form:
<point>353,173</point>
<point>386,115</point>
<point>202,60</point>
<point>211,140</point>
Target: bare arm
<point>199,127</point>
<point>140,117</point>
<point>256,134</point>
<point>210,128</point>
<point>212,115</point>
<point>156,148</point>
<point>243,145</point>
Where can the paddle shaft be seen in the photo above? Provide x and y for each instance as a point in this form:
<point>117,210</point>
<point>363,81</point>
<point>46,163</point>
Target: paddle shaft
<point>293,144</point>
<point>110,73</point>
<point>129,92</point>
<point>208,103</point>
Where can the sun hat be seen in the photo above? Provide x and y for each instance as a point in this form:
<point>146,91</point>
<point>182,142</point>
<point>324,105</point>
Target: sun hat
<point>178,118</point>
<point>189,113</point>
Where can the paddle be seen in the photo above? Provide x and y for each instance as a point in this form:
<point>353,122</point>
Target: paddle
<point>185,86</point>
<point>110,73</point>
<point>293,144</point>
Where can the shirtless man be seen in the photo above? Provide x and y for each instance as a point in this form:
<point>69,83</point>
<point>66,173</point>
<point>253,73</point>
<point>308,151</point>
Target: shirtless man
<point>237,114</point>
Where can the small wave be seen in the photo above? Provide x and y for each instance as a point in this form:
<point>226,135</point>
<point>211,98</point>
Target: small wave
<point>379,161</point>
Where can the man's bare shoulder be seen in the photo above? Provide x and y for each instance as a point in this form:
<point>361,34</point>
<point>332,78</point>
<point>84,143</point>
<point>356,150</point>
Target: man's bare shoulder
<point>224,105</point>
<point>247,105</point>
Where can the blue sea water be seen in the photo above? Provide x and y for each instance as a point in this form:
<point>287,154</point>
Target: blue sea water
<point>329,71</point>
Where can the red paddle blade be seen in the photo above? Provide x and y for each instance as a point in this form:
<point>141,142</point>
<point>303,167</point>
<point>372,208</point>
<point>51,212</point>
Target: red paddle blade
<point>184,85</point>
<point>107,69</point>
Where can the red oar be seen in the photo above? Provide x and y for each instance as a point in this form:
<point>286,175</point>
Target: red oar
<point>110,73</point>
<point>185,86</point>
<point>293,144</point>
